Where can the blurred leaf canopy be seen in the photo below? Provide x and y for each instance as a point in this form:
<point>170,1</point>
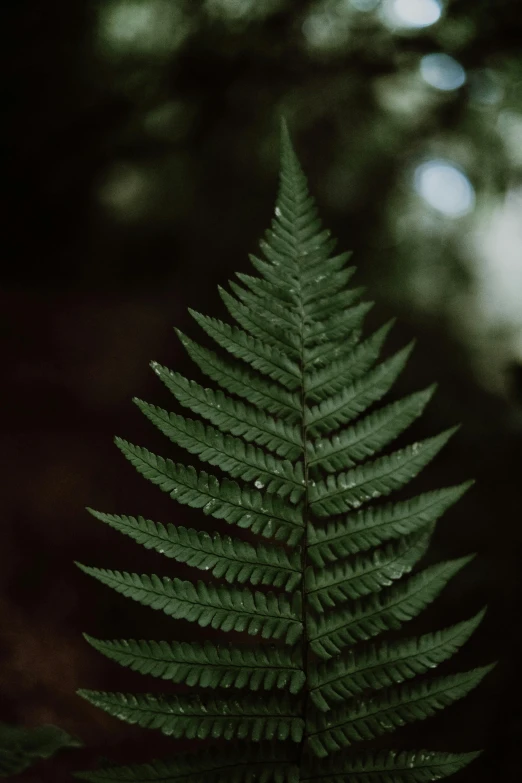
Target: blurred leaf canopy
<point>151,119</point>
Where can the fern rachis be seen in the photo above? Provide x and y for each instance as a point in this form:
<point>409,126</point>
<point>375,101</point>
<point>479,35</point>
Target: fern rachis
<point>295,428</point>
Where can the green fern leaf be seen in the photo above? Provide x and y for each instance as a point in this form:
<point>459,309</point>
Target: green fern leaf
<point>231,454</point>
<point>368,719</point>
<point>220,606</point>
<point>382,665</point>
<point>339,493</point>
<point>337,326</point>
<point>262,303</point>
<point>254,321</point>
<point>390,767</point>
<point>374,525</point>
<point>354,360</point>
<point>234,416</point>
<point>368,435</point>
<point>262,357</point>
<point>327,350</point>
<point>241,381</point>
<point>262,513</point>
<point>333,585</point>
<point>322,565</point>
<point>192,717</point>
<point>337,303</point>
<point>224,557</point>
<point>245,763</point>
<point>208,665</point>
<point>341,408</point>
<point>387,611</point>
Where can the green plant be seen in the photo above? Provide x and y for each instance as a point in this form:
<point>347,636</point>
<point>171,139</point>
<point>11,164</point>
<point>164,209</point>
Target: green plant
<point>21,746</point>
<point>325,563</point>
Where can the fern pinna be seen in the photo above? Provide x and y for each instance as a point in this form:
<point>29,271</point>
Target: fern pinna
<point>325,572</point>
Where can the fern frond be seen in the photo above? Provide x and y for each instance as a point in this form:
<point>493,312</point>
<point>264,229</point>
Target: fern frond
<point>254,718</point>
<point>333,585</point>
<point>224,557</point>
<point>400,705</point>
<point>330,633</point>
<point>389,766</point>
<point>231,454</point>
<point>243,382</point>
<point>267,360</point>
<point>208,665</point>
<point>374,525</point>
<point>262,304</point>
<point>339,493</point>
<point>330,305</point>
<point>315,359</point>
<point>324,284</point>
<point>222,607</point>
<point>239,763</point>
<point>265,514</point>
<point>356,360</point>
<point>336,327</point>
<point>328,338</point>
<point>234,416</point>
<point>294,427</point>
<point>272,332</point>
<point>368,435</point>
<point>383,665</point>
<point>339,409</point>
<point>281,276</point>
<point>283,297</point>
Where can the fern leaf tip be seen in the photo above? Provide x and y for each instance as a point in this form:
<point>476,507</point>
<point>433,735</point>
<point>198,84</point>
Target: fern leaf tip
<point>448,433</point>
<point>284,132</point>
<point>89,639</point>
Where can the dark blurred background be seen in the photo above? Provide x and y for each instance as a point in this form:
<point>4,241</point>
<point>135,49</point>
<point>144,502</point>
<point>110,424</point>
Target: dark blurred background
<point>142,160</point>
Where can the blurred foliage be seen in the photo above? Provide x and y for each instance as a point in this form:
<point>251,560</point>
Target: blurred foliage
<point>149,119</point>
<point>21,747</point>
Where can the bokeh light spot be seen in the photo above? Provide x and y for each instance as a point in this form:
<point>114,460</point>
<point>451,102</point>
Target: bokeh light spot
<point>411,13</point>
<point>499,261</point>
<point>322,30</point>
<point>442,71</point>
<point>445,188</point>
<point>365,5</point>
<point>127,22</point>
<point>125,190</point>
<point>153,27</point>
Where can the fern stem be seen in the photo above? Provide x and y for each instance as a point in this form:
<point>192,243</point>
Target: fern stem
<point>305,645</point>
